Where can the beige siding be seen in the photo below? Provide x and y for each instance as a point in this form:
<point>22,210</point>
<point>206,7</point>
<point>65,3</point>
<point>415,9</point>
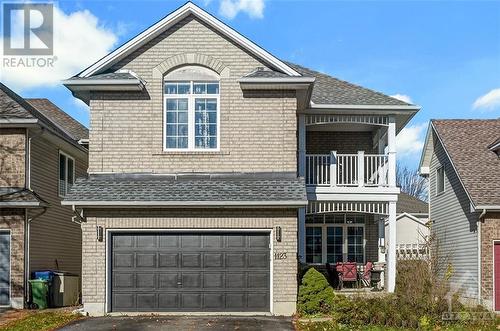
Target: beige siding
<point>284,271</point>
<point>454,226</point>
<point>55,241</point>
<point>12,160</point>
<point>258,129</point>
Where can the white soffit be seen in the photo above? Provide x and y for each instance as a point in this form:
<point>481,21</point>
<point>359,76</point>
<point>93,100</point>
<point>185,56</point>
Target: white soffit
<point>171,19</point>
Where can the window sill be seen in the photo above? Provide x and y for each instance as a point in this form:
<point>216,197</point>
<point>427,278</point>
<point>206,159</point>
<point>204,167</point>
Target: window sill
<point>192,152</point>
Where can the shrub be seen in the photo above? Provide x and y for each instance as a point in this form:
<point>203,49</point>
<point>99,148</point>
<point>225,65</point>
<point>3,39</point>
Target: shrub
<point>315,294</point>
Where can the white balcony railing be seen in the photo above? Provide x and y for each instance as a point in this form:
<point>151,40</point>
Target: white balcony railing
<point>347,169</point>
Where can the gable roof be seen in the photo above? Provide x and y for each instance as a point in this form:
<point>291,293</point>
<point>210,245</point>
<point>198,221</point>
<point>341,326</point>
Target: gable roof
<point>330,90</point>
<point>15,109</point>
<point>57,115</point>
<point>466,143</point>
<point>171,19</point>
<point>411,205</point>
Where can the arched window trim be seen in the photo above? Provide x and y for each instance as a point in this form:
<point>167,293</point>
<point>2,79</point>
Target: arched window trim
<point>191,100</point>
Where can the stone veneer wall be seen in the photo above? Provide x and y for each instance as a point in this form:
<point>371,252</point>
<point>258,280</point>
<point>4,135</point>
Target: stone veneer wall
<point>94,252</point>
<point>13,220</point>
<point>12,157</point>
<point>490,231</point>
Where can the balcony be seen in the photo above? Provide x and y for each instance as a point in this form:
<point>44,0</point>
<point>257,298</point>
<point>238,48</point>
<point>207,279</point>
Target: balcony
<point>347,170</point>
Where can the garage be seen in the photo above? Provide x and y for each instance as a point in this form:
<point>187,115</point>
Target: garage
<point>4,268</point>
<point>187,271</point>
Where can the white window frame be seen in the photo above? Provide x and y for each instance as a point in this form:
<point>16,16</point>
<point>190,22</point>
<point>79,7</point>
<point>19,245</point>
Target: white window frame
<point>442,167</point>
<point>63,194</point>
<point>324,245</point>
<point>191,97</point>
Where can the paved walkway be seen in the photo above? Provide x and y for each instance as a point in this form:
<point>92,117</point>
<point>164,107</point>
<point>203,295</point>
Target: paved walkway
<point>181,323</point>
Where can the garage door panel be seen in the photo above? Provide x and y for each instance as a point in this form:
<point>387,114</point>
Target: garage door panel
<point>146,281</point>
<point>123,260</point>
<point>166,260</point>
<point>168,280</point>
<point>192,260</point>
<point>190,272</point>
<point>145,260</point>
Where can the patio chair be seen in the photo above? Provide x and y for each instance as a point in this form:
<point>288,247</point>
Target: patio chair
<point>348,272</point>
<point>366,276</point>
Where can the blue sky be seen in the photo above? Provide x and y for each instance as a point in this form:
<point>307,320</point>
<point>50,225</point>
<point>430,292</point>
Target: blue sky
<point>443,55</point>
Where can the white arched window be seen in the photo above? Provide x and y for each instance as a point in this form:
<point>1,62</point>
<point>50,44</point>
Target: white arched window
<point>191,109</point>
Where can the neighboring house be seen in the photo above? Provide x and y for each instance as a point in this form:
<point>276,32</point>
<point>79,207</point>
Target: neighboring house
<point>213,165</point>
<point>412,230</point>
<point>460,158</point>
<point>39,158</point>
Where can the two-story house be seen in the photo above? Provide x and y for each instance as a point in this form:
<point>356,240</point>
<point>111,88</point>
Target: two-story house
<point>215,167</point>
<point>42,151</point>
<point>461,158</point>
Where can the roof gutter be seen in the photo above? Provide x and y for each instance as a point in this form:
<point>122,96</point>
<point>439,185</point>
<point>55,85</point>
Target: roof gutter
<point>282,83</point>
<point>404,108</point>
<point>486,208</point>
<point>76,85</point>
<point>193,204</point>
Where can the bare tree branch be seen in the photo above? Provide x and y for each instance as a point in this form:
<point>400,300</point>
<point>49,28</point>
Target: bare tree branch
<point>411,182</point>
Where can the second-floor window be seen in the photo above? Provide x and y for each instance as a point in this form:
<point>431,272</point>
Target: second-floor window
<point>191,115</point>
<point>66,173</point>
<point>440,179</point>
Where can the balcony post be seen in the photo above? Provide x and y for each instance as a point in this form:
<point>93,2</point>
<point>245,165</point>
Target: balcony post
<point>361,168</point>
<point>391,249</point>
<point>302,145</point>
<point>333,168</point>
<point>391,150</point>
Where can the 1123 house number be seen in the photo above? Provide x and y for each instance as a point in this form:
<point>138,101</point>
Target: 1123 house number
<point>280,256</point>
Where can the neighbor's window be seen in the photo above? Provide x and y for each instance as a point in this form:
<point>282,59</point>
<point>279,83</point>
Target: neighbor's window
<point>66,173</point>
<point>191,110</point>
<point>440,180</point>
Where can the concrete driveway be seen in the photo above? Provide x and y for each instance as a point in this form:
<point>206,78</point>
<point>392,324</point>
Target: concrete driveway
<point>181,323</point>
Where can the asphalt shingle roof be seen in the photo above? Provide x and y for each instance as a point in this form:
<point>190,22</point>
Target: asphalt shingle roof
<point>57,115</point>
<point>10,195</point>
<point>13,106</point>
<point>266,74</point>
<point>331,90</point>
<point>108,75</point>
<point>411,205</point>
<point>208,188</point>
<point>467,141</point>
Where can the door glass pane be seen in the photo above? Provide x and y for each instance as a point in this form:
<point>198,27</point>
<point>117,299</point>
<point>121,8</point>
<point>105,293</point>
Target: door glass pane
<point>313,245</point>
<point>355,245</point>
<point>334,243</point>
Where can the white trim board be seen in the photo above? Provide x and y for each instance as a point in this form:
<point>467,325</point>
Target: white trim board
<point>170,20</point>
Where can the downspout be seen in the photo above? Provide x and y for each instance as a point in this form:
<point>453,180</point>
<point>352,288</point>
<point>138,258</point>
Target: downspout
<point>27,224</point>
<point>479,260</point>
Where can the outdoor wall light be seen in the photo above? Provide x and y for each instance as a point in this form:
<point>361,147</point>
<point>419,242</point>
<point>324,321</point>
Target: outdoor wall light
<point>100,233</point>
<point>278,234</point>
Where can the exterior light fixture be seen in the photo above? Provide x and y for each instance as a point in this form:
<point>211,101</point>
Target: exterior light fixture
<point>278,234</point>
<point>100,233</point>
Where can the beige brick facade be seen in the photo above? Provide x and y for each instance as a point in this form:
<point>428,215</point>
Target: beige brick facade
<point>284,271</point>
<point>127,128</point>
<point>490,232</point>
<point>13,220</point>
<point>12,160</point>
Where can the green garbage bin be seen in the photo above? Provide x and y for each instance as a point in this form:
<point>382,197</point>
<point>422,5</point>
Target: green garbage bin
<point>39,293</point>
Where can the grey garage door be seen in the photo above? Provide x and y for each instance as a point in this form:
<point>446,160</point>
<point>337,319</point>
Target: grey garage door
<point>4,268</point>
<point>190,272</point>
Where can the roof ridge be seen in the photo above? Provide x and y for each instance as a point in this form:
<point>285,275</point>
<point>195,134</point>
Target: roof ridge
<point>346,82</point>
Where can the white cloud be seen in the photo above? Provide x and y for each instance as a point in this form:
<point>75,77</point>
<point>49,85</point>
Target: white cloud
<point>410,141</point>
<point>79,40</point>
<point>489,101</point>
<point>231,8</point>
<point>402,97</point>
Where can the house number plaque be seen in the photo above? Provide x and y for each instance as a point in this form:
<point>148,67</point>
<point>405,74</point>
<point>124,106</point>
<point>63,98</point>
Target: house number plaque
<point>280,256</point>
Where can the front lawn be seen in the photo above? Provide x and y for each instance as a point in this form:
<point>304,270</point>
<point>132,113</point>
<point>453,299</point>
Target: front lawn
<point>43,320</point>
